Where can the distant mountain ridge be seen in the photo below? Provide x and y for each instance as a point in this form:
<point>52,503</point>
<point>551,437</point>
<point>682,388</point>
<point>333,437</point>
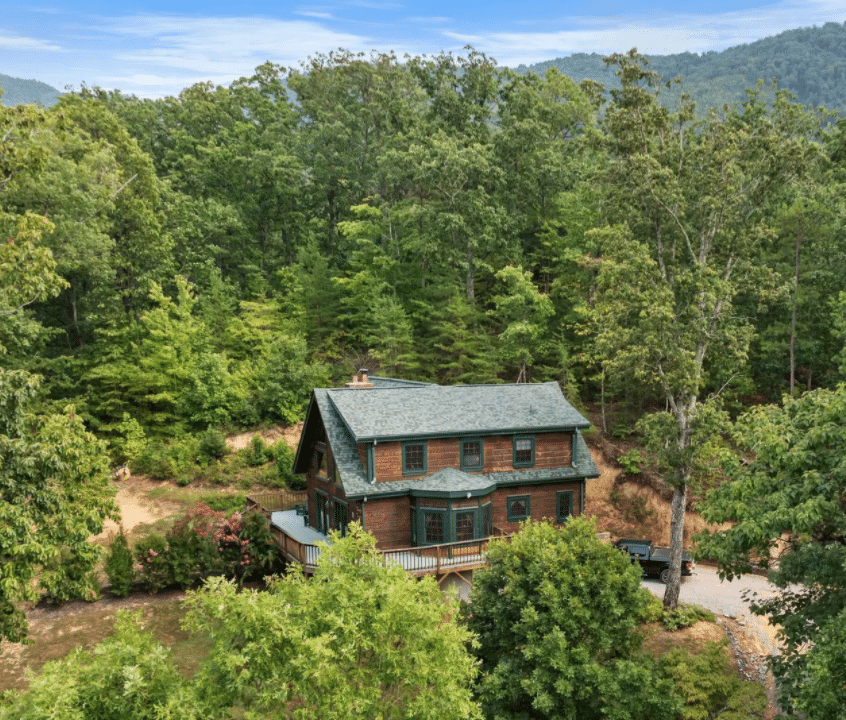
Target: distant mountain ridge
<point>17,91</point>
<point>810,62</point>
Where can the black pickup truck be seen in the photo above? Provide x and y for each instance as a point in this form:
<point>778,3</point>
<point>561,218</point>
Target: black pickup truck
<point>653,560</point>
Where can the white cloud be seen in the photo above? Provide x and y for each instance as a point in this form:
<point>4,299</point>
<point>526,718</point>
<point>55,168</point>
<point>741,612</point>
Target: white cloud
<point>19,42</point>
<point>314,14</point>
<point>227,45</point>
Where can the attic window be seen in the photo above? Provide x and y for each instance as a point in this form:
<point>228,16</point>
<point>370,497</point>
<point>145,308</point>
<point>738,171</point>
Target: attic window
<point>414,458</point>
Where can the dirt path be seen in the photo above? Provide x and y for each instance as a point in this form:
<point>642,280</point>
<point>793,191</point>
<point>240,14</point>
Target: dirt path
<point>137,508</point>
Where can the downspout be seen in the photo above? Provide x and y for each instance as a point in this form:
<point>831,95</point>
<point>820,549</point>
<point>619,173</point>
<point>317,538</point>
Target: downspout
<point>371,463</point>
<point>582,499</point>
<point>363,502</point>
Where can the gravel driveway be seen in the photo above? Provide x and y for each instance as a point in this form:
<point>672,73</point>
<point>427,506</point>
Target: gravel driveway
<point>705,588</point>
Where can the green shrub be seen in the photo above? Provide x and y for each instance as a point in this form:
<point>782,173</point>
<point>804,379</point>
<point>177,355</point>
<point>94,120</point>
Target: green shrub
<point>191,548</point>
<point>213,444</point>
<point>632,462</point>
<point>155,462</point>
<point>119,565</point>
<point>256,453</point>
<point>151,554</point>
<point>686,616</point>
<point>285,467</point>
<point>262,551</point>
<point>654,611</point>
<point>226,503</point>
<point>709,686</point>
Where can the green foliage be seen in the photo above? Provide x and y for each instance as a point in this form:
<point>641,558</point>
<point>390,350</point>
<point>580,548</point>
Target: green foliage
<point>225,503</point>
<point>152,563</point>
<point>376,640</point>
<point>118,565</point>
<point>632,462</point>
<point>684,227</point>
<point>191,551</point>
<point>710,687</point>
<point>524,315</point>
<point>129,675</point>
<point>808,61</point>
<point>685,616</point>
<point>213,444</point>
<point>792,487</point>
<point>54,494</point>
<point>284,458</point>
<point>155,462</point>
<point>205,542</point>
<point>133,440</point>
<point>285,379</point>
<point>556,614</point>
<point>255,453</point>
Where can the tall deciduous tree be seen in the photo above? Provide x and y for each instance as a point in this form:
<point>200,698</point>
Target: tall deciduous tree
<point>787,501</point>
<point>54,490</point>
<point>688,199</point>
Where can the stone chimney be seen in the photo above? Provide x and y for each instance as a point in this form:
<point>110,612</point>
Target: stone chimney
<point>359,380</point>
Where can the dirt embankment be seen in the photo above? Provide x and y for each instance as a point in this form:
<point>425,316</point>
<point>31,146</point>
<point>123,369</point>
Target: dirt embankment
<point>633,506</point>
<point>291,435</point>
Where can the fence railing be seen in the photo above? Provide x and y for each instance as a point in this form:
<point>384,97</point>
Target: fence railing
<point>424,560</point>
<point>273,502</point>
<point>303,553</point>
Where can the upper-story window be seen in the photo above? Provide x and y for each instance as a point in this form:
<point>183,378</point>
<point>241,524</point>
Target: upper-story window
<point>318,459</point>
<point>414,458</point>
<point>524,451</point>
<point>472,454</point>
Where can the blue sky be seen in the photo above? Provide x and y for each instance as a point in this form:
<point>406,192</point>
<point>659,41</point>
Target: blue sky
<point>156,48</point>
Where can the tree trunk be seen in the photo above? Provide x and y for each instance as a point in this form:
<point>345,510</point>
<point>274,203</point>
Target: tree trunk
<point>671,594</point>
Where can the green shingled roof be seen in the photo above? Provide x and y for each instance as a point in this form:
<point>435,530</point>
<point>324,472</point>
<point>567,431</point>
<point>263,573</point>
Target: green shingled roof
<point>386,413</point>
<point>541,405</point>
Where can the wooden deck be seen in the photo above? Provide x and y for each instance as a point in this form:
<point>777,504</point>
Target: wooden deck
<point>297,543</point>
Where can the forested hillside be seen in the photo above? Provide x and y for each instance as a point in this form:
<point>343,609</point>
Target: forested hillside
<point>219,253</point>
<point>17,91</point>
<point>173,268</point>
<point>810,62</point>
